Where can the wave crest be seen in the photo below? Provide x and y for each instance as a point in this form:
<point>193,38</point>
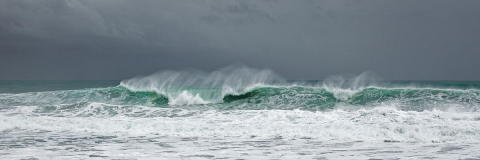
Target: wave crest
<point>197,87</point>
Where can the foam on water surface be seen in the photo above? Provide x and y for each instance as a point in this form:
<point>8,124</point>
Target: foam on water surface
<point>243,113</point>
<point>378,124</point>
<point>381,132</point>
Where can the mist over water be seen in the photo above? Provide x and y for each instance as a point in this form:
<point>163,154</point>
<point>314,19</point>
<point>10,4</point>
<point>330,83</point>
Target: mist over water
<point>243,107</point>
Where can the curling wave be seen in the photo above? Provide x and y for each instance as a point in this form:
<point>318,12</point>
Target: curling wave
<point>261,97</point>
<point>242,88</point>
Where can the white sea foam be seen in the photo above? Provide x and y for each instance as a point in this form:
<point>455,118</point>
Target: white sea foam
<point>186,98</point>
<point>377,124</point>
<point>81,124</point>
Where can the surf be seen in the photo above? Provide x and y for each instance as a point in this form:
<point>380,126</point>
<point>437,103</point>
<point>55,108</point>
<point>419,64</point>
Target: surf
<point>243,88</point>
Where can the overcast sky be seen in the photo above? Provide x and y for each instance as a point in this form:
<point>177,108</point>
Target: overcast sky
<point>301,39</point>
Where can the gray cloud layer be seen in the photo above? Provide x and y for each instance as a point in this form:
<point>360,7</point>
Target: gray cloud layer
<point>117,39</point>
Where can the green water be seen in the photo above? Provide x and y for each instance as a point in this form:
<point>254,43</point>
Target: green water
<point>416,96</point>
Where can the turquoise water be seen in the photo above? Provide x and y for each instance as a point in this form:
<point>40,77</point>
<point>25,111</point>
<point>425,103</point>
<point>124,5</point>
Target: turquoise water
<point>239,113</point>
<point>310,95</point>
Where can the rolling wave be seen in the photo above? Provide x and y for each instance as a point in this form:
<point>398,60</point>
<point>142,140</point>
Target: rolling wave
<point>244,102</point>
<point>243,88</point>
<point>262,97</point>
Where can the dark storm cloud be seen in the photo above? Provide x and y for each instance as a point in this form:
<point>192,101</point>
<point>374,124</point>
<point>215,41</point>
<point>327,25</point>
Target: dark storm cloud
<point>402,40</point>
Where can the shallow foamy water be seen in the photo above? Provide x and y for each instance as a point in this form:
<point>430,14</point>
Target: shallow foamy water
<point>166,133</point>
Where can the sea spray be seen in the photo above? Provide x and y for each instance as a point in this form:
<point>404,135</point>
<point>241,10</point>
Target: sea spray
<point>241,112</point>
<point>343,88</point>
<point>209,87</point>
<point>238,88</point>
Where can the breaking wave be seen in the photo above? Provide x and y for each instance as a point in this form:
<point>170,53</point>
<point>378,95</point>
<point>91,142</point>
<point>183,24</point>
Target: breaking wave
<point>243,102</point>
<point>253,89</point>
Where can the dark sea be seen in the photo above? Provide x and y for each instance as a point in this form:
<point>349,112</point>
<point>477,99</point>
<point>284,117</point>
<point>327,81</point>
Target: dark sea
<point>239,113</point>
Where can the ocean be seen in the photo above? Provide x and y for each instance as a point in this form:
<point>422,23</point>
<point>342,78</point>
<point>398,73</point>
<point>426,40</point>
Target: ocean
<point>239,113</point>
